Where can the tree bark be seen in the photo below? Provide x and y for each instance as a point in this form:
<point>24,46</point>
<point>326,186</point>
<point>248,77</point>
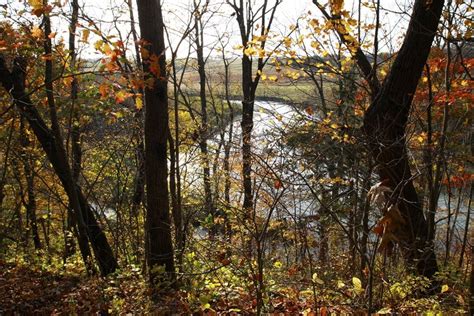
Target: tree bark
<point>385,123</point>
<point>158,243</point>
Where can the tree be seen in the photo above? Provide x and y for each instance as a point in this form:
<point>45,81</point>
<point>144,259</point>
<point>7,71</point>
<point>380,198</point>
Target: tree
<point>158,242</point>
<point>247,19</point>
<point>385,124</point>
<point>199,24</point>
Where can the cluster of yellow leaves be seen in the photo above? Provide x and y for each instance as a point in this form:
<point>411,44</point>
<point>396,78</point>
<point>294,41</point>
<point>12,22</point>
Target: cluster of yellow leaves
<point>252,50</point>
<point>36,32</point>
<point>335,180</point>
<point>334,130</point>
<point>292,74</point>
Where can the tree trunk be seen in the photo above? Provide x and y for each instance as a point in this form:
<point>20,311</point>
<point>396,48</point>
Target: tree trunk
<point>175,174</point>
<point>14,82</point>
<point>385,122</point>
<point>247,127</point>
<point>76,155</point>
<point>158,243</point>
<point>203,133</point>
<point>175,206</point>
<point>30,187</point>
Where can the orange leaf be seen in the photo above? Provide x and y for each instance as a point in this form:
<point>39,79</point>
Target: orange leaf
<point>104,90</point>
<point>154,65</point>
<point>121,96</point>
<point>378,229</point>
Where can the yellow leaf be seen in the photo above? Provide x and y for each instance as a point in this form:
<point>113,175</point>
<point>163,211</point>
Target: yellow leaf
<point>250,51</point>
<point>36,4</point>
<point>139,103</point>
<point>314,44</point>
<point>336,6</point>
<point>36,32</point>
<point>98,44</point>
<point>278,264</point>
<point>444,288</point>
<point>352,22</point>
<point>257,38</point>
<point>316,279</point>
<point>85,35</point>
<point>273,78</point>
<point>121,96</point>
<point>357,284</point>
<point>385,311</point>
<point>314,23</point>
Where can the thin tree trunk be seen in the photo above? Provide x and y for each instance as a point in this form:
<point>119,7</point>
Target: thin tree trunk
<point>471,283</point>
<point>175,209</point>
<point>246,21</point>
<point>247,127</point>
<point>466,227</point>
<point>76,157</point>
<point>30,187</point>
<point>5,164</point>
<point>71,220</point>
<point>203,132</point>
<point>176,175</point>
<point>364,265</point>
<point>139,183</point>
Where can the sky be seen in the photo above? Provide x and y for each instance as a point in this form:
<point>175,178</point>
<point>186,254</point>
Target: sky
<point>176,13</point>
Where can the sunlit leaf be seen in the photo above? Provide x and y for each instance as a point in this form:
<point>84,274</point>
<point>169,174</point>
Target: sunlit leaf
<point>357,283</point>
<point>316,279</point>
<point>444,288</point>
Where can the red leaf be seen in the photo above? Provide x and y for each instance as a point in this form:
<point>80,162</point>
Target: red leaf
<point>277,184</point>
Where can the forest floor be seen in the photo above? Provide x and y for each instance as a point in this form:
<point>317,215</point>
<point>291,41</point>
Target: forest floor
<point>28,290</point>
